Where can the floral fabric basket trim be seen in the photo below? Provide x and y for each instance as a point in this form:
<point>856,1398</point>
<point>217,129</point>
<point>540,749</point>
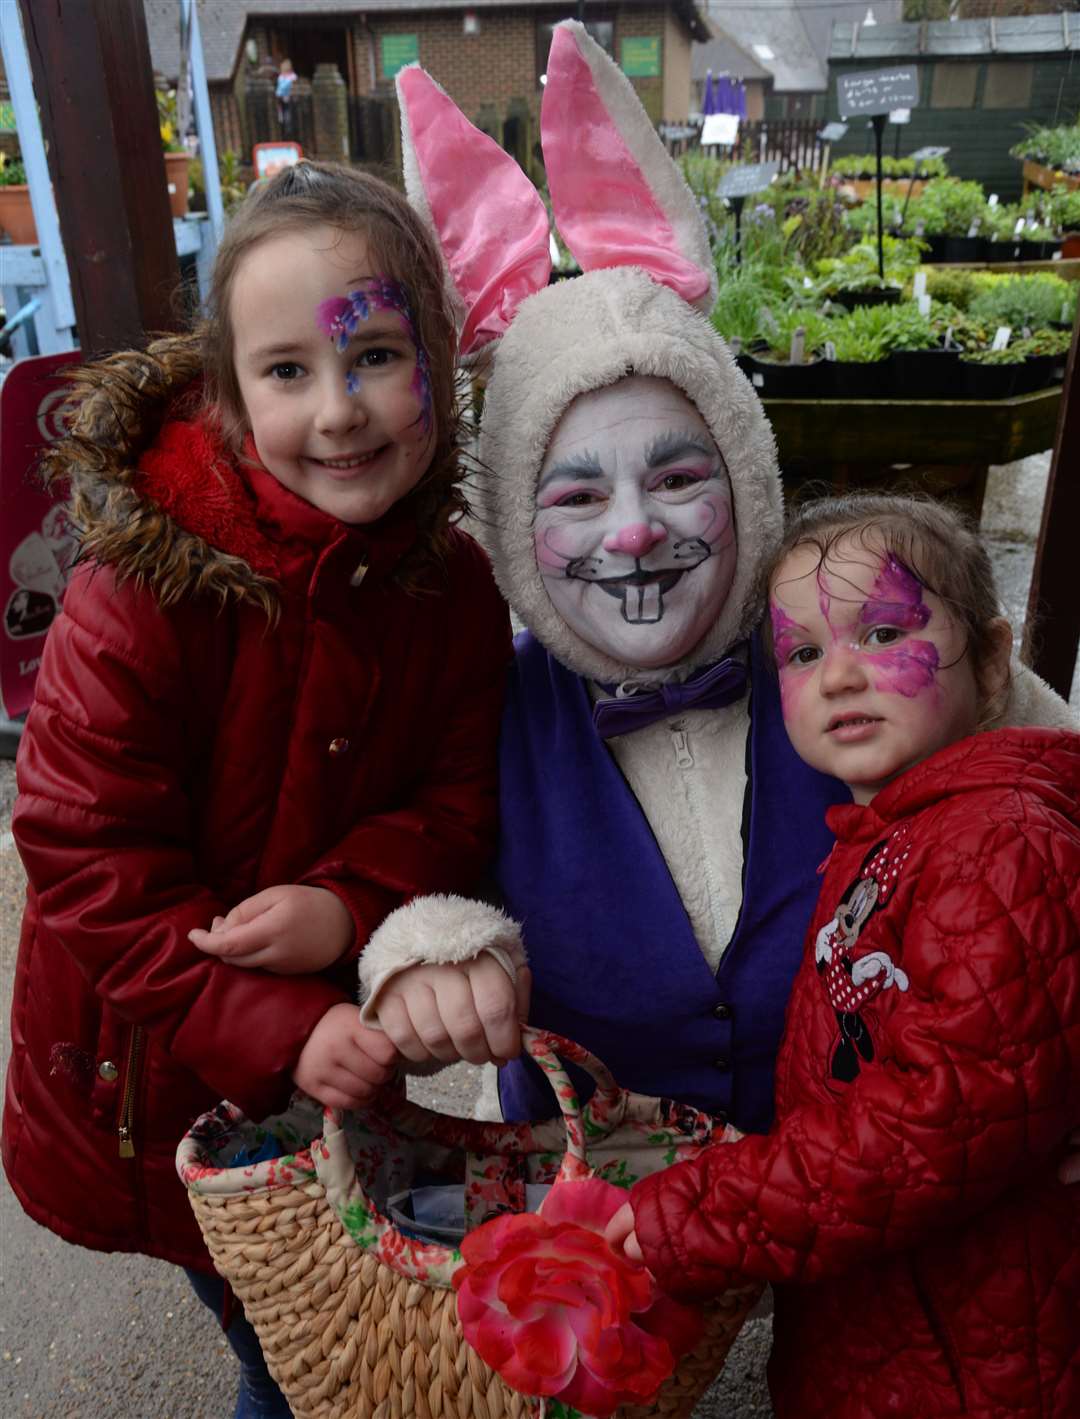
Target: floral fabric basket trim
<point>365,1155</point>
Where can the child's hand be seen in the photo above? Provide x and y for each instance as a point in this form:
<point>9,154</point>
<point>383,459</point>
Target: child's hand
<point>344,1064</point>
<point>471,1010</point>
<point>290,930</point>
<point>620,1235</point>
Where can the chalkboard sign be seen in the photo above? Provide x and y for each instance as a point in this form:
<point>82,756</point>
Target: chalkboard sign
<point>746,179</point>
<point>877,90</point>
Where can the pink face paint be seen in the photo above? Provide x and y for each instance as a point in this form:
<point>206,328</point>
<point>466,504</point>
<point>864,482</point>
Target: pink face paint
<point>896,598</point>
<point>907,670</point>
<point>787,635</point>
<point>341,317</point>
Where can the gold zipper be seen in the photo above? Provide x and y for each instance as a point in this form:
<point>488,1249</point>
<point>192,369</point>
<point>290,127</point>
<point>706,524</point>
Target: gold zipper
<point>127,1107</point>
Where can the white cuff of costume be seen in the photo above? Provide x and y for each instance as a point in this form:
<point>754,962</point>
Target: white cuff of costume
<point>435,931</point>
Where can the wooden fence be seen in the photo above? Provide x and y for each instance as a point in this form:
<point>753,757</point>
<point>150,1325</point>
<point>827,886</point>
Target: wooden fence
<point>793,142</point>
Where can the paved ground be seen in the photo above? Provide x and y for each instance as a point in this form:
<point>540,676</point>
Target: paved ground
<point>84,1336</point>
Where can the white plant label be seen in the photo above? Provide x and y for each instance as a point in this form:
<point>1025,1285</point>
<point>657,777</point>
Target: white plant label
<point>830,350</point>
<point>797,353</point>
<point>924,305</point>
<point>1001,337</point>
<point>992,200</point>
<point>918,285</point>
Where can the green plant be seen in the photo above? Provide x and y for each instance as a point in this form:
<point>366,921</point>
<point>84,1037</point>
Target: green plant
<point>947,207</point>
<point>1011,355</point>
<point>955,330</point>
<point>1047,342</point>
<point>1057,148</point>
<point>1033,302</point>
<point>953,285</point>
<point>860,337</point>
<point>12,172</point>
<point>1063,209</point>
<point>168,121</point>
<point>233,186</point>
<point>778,330</point>
<point>737,313</point>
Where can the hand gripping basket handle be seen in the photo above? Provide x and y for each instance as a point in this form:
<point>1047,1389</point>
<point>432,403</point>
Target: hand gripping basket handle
<point>603,1112</point>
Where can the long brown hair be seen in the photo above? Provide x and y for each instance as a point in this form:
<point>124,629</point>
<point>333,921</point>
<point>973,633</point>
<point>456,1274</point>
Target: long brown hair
<point>330,194</point>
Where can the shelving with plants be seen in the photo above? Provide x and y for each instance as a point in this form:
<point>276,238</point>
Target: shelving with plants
<point>16,213</point>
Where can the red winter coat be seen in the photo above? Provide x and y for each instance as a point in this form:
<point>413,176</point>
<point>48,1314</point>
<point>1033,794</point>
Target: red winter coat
<point>909,1183</point>
<point>185,750</point>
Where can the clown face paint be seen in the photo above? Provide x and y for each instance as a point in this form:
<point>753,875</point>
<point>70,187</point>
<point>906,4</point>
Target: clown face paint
<point>874,673</point>
<point>634,529</point>
<point>341,422</point>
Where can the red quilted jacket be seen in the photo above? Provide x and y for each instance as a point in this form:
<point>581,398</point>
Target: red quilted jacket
<point>927,1260</point>
<point>187,749</point>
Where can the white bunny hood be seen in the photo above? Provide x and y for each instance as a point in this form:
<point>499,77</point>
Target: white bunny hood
<point>623,210</point>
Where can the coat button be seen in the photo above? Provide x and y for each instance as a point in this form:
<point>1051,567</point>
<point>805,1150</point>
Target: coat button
<point>108,1070</point>
<point>722,1012</point>
<point>722,1063</point>
<point>339,746</point>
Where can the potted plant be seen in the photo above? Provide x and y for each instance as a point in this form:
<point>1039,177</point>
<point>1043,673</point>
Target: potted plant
<point>177,158</point>
<point>1044,355</point>
<point>799,331</point>
<point>991,374</point>
<point>16,214</point>
<point>921,366</point>
<point>1036,302</point>
<point>859,353</point>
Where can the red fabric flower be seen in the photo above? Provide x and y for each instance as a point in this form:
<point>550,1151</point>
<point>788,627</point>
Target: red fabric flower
<point>546,1303</point>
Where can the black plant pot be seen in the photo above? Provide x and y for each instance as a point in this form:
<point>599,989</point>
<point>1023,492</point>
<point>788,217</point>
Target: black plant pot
<point>776,380</point>
<point>966,248</point>
<point>925,374</point>
<point>936,245</point>
<point>987,381</point>
<point>850,300</point>
<point>853,379</point>
<point>1035,373</point>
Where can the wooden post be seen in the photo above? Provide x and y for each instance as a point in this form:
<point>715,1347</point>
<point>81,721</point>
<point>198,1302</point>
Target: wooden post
<point>1052,626</point>
<point>94,84</point>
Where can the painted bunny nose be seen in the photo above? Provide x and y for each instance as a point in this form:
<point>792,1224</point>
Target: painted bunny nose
<point>635,539</point>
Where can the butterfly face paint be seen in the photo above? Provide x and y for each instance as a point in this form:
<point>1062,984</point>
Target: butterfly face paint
<point>341,317</point>
<point>634,528</point>
<point>874,674</point>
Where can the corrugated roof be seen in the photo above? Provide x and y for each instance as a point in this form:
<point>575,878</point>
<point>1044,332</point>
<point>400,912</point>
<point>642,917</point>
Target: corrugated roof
<point>958,39</point>
<point>222,22</point>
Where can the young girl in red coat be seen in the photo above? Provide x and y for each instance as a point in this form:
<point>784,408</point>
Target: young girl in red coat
<point>907,1204</point>
<point>266,716</point>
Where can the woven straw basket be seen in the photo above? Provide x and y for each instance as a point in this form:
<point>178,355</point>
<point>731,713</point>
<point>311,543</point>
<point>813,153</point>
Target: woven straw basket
<point>357,1319</point>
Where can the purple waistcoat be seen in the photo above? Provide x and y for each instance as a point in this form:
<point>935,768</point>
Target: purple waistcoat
<point>615,962</point>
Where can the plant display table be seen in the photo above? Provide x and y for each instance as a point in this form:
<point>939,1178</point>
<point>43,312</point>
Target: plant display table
<point>939,446</point>
<point>1036,175</point>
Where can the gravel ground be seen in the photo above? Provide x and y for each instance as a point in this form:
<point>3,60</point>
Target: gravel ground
<point>85,1336</point>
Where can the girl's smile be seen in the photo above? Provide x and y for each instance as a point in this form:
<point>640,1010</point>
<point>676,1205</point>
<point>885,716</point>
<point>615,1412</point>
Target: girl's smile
<point>338,417</point>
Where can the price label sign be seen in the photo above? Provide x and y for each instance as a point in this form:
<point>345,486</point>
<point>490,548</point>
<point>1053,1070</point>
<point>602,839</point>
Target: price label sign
<point>877,91</point>
<point>719,128</point>
<point>832,132</point>
<point>922,154</point>
<point>746,179</point>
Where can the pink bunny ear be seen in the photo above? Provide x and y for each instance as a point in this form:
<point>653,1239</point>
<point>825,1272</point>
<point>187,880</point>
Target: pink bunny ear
<point>487,216</point>
<point>618,198</point>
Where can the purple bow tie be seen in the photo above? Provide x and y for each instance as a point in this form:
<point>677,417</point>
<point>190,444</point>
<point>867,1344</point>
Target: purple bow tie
<point>710,688</point>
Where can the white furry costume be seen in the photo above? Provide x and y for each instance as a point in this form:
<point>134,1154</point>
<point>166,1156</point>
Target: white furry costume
<point>623,210</point>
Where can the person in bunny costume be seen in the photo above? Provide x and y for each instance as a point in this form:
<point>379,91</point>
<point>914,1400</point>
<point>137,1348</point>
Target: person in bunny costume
<point>660,840</point>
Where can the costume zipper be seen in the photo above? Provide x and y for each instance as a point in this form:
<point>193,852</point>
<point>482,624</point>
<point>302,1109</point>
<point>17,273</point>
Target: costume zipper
<point>127,1104</point>
<point>681,743</point>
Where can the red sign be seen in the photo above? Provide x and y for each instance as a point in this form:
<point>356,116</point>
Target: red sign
<point>36,541</point>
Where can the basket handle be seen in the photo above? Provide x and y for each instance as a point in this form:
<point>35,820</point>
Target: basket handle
<point>603,1112</point>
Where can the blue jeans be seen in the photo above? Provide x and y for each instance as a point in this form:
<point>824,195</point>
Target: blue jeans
<point>259,1396</point>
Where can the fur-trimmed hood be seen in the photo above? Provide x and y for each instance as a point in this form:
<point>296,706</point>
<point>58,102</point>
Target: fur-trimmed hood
<point>623,323</point>
<point>137,425</point>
